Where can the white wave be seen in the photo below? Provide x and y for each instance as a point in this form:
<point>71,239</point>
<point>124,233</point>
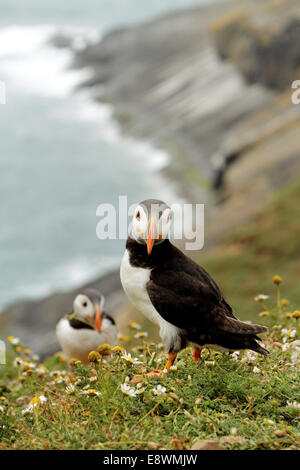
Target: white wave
<point>82,270</point>
<point>85,108</point>
<point>63,278</point>
<point>34,65</point>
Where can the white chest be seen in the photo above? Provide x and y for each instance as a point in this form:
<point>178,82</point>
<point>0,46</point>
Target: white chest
<point>134,281</point>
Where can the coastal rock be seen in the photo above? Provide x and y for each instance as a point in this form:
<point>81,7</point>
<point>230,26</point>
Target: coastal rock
<point>265,52</point>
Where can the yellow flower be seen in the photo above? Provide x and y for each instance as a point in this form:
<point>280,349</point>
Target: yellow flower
<point>18,348</point>
<point>141,334</point>
<point>124,338</point>
<point>13,340</point>
<point>277,280</point>
<point>264,314</point>
<point>27,351</point>
<point>288,314</point>
<point>104,349</point>
<point>72,361</point>
<point>34,400</point>
<point>117,350</point>
<point>296,314</point>
<point>134,325</point>
<point>60,357</point>
<point>94,356</point>
<point>284,302</point>
<point>21,379</point>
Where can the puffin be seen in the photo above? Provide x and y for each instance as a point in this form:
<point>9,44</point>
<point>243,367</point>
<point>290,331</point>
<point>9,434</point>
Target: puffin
<point>87,327</point>
<point>177,294</point>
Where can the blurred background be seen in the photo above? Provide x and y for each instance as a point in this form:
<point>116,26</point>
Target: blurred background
<point>179,100</point>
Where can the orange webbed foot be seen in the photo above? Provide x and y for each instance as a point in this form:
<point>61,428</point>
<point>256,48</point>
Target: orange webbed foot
<point>155,373</point>
<point>196,354</point>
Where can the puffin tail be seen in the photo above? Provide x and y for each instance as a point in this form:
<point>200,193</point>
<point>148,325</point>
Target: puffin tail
<point>258,348</point>
<point>233,325</point>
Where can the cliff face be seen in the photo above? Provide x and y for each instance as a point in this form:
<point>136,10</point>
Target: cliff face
<point>166,82</point>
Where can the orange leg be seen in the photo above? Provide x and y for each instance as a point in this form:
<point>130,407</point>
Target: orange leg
<point>196,354</point>
<point>170,362</point>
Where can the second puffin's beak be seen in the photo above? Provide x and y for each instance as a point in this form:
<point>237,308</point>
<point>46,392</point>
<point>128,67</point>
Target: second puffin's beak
<point>98,318</point>
<point>150,239</point>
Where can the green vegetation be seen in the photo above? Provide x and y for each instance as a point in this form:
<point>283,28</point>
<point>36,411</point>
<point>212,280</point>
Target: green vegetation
<point>250,255</point>
<point>239,401</point>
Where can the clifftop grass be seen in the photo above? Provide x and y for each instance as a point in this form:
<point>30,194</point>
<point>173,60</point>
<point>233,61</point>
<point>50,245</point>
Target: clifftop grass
<point>240,401</point>
<point>249,256</point>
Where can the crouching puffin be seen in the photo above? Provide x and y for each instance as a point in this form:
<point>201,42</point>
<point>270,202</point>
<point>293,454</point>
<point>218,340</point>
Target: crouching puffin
<point>87,327</point>
<point>176,293</point>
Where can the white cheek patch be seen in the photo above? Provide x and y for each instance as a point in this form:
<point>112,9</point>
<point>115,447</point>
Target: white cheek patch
<point>139,226</point>
<point>79,308</point>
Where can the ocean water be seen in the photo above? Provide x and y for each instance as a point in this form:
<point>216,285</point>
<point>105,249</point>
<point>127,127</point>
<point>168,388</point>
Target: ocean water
<point>61,155</point>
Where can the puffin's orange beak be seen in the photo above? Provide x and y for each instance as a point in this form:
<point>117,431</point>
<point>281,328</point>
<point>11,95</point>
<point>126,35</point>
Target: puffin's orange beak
<point>150,239</point>
<point>98,318</point>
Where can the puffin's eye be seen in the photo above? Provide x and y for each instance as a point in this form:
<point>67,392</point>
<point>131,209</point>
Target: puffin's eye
<point>84,304</point>
<point>138,215</point>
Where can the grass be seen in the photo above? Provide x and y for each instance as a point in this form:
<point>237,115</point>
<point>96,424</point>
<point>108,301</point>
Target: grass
<point>248,402</point>
<point>251,254</point>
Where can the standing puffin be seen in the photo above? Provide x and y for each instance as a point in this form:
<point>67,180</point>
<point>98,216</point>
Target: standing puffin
<point>176,293</point>
<point>87,327</point>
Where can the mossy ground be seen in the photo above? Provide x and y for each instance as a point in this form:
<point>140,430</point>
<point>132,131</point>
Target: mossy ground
<point>250,402</point>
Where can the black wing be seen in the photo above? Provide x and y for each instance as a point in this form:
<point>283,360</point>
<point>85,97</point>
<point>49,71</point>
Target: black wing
<point>184,294</point>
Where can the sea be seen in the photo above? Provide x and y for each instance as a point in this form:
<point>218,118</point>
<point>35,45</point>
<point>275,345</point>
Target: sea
<point>61,153</point>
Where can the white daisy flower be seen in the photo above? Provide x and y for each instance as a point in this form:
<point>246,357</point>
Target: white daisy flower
<point>261,297</point>
<point>159,390</point>
<point>28,410</point>
<point>294,404</point>
<point>250,356</point>
<point>133,360</point>
<point>236,355</point>
<point>13,340</point>
<point>70,389</point>
<point>127,390</point>
<point>42,399</point>
<point>256,370</point>
<point>141,334</point>
<point>91,391</point>
<point>18,362</point>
